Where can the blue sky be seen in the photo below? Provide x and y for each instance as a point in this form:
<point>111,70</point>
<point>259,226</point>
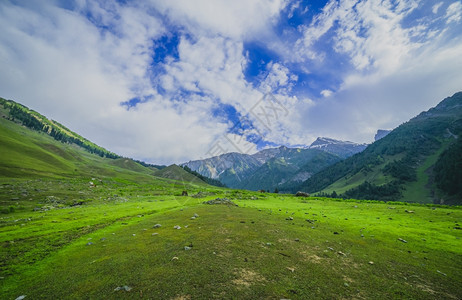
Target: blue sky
<point>171,81</point>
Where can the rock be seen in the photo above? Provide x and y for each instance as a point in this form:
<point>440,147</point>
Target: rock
<point>175,258</point>
<point>21,297</point>
<point>401,240</point>
<point>335,232</point>
<point>341,253</point>
<point>289,218</point>
<point>297,240</point>
<point>193,218</point>
<point>155,233</point>
<point>371,262</point>
<point>89,243</point>
<point>330,248</point>
<point>268,244</point>
<point>196,216</point>
<point>177,227</point>
<point>156,226</point>
<point>123,288</point>
<point>187,248</point>
<point>134,234</point>
<point>301,194</point>
<point>217,201</point>
<point>441,272</point>
<point>409,211</point>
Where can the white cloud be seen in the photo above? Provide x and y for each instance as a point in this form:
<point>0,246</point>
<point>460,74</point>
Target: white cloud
<point>233,19</point>
<point>326,93</point>
<point>436,7</point>
<point>454,12</point>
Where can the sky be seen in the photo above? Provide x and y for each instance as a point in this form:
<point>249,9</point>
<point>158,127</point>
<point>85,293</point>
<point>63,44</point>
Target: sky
<point>172,81</point>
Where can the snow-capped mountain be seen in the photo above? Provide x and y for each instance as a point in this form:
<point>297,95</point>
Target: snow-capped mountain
<point>343,149</point>
<point>268,168</point>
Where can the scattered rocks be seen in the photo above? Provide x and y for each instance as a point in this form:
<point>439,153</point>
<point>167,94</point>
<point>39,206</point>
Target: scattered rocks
<point>156,226</point>
<point>301,194</point>
<point>341,253</point>
<point>196,215</point>
<point>123,288</point>
<point>177,227</point>
<point>289,219</point>
<point>401,240</point>
<point>330,248</point>
<point>218,201</point>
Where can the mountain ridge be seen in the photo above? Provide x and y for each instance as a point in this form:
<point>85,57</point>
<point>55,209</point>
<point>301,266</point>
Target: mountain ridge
<point>400,165</point>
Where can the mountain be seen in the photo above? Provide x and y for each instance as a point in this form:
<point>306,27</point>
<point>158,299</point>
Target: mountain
<point>32,146</point>
<point>179,174</point>
<point>381,134</point>
<point>267,169</point>
<point>341,148</point>
<point>406,165</point>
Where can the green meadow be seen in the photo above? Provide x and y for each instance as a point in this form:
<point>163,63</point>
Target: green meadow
<point>100,242</point>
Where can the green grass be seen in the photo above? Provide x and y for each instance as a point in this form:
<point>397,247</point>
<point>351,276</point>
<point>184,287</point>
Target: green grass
<point>244,252</point>
<point>419,191</point>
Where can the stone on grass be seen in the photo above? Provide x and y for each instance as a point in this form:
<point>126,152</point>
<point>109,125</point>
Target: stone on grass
<point>155,233</point>
<point>371,262</point>
<point>341,253</point>
<point>177,227</point>
<point>196,216</point>
<point>89,243</point>
<point>123,288</point>
<point>21,297</point>
<point>156,226</point>
<point>193,218</point>
<point>187,248</point>
<point>401,240</point>
<point>224,201</point>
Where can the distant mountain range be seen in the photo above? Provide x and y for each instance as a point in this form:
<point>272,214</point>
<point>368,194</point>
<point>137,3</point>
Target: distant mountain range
<point>420,161</point>
<point>274,168</point>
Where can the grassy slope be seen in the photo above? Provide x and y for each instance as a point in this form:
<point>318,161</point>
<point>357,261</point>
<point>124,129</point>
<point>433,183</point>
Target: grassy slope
<point>244,252</point>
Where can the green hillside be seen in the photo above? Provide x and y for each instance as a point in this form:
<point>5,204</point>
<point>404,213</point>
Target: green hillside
<point>178,173</point>
<point>284,172</point>
<point>31,119</point>
<point>399,166</point>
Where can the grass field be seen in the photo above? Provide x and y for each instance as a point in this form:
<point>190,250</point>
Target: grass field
<point>270,246</point>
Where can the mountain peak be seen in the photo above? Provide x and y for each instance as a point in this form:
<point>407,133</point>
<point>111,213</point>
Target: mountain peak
<point>381,133</point>
<point>341,148</point>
